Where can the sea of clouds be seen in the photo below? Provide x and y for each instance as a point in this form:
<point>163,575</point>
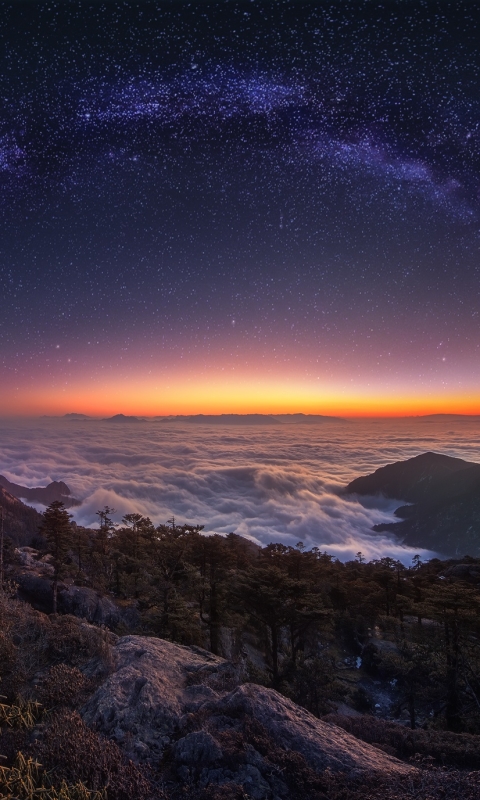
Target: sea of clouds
<point>281,484</point>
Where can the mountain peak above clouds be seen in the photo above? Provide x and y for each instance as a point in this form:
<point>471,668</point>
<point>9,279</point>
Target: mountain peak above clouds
<point>444,493</point>
<point>57,490</point>
<point>121,418</point>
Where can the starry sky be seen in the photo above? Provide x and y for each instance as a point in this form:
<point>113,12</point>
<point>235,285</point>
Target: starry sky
<point>240,207</point>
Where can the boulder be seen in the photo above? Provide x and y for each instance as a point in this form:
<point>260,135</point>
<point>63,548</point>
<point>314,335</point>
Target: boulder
<point>35,590</point>
<point>197,748</point>
<point>158,690</point>
<point>142,701</point>
<point>323,745</point>
<point>88,604</point>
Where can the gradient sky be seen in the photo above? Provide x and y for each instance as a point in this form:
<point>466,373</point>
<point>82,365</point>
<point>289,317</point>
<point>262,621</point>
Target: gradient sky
<point>240,207</point>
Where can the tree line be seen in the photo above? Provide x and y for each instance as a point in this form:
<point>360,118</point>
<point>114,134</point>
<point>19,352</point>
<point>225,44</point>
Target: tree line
<point>299,620</point>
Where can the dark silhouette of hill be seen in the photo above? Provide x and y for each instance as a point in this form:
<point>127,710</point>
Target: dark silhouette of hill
<point>57,490</point>
<point>121,418</point>
<point>21,522</point>
<point>445,497</point>
<point>447,417</point>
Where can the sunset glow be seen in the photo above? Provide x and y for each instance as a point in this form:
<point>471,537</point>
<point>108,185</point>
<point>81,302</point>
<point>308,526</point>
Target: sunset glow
<point>189,395</point>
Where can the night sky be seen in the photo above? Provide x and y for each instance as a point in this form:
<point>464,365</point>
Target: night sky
<point>240,207</point>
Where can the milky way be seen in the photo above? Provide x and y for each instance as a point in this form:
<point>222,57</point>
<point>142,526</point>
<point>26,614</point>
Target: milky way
<point>241,194</point>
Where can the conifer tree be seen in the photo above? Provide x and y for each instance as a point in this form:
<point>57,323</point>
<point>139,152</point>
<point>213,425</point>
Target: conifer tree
<point>57,531</point>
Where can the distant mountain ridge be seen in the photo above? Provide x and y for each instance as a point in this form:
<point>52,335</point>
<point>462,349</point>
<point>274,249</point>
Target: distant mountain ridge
<point>251,419</point>
<point>211,419</point>
<point>445,497</point>
<point>57,490</point>
<point>121,418</point>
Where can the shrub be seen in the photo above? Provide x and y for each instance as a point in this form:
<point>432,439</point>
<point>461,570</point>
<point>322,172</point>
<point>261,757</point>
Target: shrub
<point>72,752</point>
<point>62,685</point>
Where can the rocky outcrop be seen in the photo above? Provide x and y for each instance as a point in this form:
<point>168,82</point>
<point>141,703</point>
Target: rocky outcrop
<point>324,746</point>
<point>165,700</point>
<point>445,496</point>
<point>36,590</point>
<point>35,587</point>
<point>154,684</point>
<point>90,605</point>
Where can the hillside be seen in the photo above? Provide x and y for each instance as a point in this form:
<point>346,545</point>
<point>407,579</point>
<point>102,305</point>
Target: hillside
<point>444,493</point>
<point>140,717</point>
<point>207,668</point>
<point>57,490</point>
<point>21,523</point>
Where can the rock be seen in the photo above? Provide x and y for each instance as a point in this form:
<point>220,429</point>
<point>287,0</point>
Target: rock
<point>155,685</point>
<point>324,746</point>
<point>35,587</point>
<point>31,561</point>
<point>147,694</point>
<point>88,604</point>
<point>253,783</point>
<point>35,590</point>
<point>197,748</point>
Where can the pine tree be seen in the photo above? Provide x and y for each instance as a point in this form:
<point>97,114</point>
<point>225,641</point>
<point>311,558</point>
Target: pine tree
<point>57,531</point>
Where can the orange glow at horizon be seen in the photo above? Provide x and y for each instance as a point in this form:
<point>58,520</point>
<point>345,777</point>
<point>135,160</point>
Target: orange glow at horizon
<point>192,395</point>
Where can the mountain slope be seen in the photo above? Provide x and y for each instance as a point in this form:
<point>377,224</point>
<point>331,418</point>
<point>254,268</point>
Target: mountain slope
<point>445,496</point>
<point>57,490</point>
<point>21,523</point>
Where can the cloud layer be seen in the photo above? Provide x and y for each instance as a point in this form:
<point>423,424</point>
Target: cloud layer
<point>273,484</point>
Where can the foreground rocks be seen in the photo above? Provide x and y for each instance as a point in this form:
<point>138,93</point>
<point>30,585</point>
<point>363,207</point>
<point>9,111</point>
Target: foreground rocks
<point>164,703</point>
<point>153,685</point>
<point>82,602</point>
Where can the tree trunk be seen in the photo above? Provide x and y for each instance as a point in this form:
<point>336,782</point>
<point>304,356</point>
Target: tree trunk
<point>214,620</point>
<point>411,709</point>
<point>451,710</point>
<point>274,634</point>
<point>55,593</point>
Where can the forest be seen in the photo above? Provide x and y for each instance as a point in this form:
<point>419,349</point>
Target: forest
<point>398,645</point>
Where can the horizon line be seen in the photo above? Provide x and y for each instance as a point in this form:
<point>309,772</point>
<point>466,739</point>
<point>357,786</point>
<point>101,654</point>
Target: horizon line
<point>107,416</point>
